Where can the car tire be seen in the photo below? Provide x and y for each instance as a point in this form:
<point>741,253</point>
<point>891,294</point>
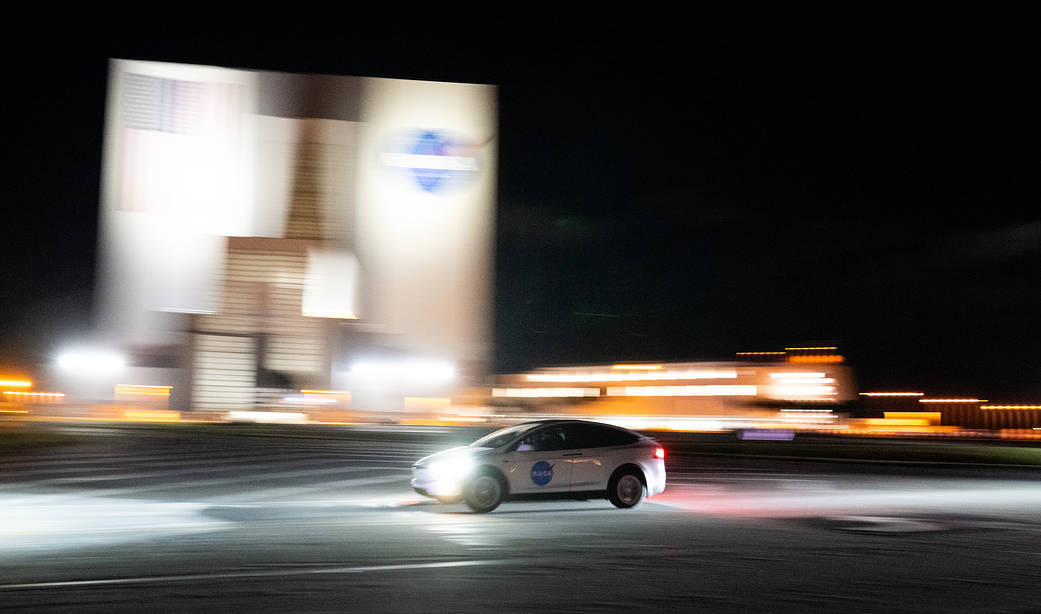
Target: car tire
<point>626,488</point>
<point>484,492</point>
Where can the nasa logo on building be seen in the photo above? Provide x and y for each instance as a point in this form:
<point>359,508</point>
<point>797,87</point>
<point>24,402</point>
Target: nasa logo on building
<point>434,161</point>
<point>541,473</point>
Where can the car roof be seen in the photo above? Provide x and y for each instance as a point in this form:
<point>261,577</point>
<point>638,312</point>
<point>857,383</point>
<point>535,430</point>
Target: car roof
<point>546,421</point>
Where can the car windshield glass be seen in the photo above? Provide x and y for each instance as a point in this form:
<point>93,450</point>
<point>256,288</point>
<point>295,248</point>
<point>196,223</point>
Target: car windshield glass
<point>502,436</point>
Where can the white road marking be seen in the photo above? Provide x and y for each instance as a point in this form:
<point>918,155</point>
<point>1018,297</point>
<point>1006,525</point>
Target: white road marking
<point>253,574</point>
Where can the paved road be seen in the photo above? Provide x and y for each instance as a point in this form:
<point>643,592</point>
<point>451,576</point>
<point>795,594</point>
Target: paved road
<point>159,519</point>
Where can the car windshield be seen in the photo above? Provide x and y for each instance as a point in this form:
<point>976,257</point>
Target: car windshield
<point>502,436</point>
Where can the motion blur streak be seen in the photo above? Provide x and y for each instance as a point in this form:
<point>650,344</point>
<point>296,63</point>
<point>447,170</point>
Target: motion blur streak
<point>682,391</point>
<point>133,389</point>
<point>633,377</point>
<point>811,501</point>
<point>545,392</point>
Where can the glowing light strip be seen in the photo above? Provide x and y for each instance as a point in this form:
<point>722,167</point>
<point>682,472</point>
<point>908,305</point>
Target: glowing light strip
<point>15,383</point>
<point>638,367</point>
<point>268,416</point>
<point>819,358</point>
<point>677,374</point>
<point>826,347</point>
<point>333,392</point>
<point>795,393</point>
<point>797,375</point>
<point>168,416</point>
<point>545,392</point>
<point>34,394</point>
<point>919,415</point>
<point>760,353</point>
<point>952,400</point>
<point>1010,407</point>
<point>143,390</point>
<point>682,391</point>
<point>892,394</point>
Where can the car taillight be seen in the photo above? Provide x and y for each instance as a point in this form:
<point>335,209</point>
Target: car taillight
<point>659,453</point>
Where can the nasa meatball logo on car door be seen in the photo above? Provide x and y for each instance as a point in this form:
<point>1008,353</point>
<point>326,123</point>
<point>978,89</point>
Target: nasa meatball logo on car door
<point>541,473</point>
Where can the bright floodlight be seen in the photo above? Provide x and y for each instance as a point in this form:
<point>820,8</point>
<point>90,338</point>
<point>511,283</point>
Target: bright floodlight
<point>414,370</point>
<point>91,362</point>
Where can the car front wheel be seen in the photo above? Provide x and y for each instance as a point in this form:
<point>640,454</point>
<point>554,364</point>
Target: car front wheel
<point>626,489</point>
<point>484,492</point>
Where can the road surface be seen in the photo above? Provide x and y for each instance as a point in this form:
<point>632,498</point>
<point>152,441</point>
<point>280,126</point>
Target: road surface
<point>169,520</point>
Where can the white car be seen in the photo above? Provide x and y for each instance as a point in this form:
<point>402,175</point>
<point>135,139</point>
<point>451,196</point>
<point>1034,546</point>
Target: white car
<point>552,458</point>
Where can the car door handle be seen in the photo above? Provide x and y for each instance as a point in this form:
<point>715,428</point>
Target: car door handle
<point>573,454</point>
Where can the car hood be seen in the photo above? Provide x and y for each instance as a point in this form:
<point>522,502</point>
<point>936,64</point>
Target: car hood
<point>453,452</point>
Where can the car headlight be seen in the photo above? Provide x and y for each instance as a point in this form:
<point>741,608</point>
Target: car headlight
<point>456,467</point>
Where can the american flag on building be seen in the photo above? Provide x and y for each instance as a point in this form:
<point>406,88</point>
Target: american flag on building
<point>168,127</point>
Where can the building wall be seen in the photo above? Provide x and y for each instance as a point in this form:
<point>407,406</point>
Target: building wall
<point>287,209</point>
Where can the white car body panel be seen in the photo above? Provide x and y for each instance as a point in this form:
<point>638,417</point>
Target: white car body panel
<point>571,470</point>
<point>519,467</point>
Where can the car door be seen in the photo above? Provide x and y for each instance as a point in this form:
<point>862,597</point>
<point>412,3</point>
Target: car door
<point>538,462</point>
<point>601,450</point>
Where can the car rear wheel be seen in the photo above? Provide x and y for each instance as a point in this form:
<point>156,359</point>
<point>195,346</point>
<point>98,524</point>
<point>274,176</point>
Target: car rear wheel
<point>484,492</point>
<point>626,489</point>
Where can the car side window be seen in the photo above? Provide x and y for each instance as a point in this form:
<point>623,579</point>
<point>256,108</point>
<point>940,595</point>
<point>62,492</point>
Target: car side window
<point>552,438</point>
<point>597,436</point>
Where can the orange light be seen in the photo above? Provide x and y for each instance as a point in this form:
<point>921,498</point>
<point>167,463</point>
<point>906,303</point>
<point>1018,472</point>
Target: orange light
<point>15,383</point>
<point>952,400</point>
<point>659,453</point>
<point>823,358</point>
<point>143,390</point>
<point>910,415</point>
<point>892,394</point>
<point>151,416</point>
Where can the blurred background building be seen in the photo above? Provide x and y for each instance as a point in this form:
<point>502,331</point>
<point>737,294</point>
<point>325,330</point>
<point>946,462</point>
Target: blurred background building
<point>271,238</point>
<point>804,387</point>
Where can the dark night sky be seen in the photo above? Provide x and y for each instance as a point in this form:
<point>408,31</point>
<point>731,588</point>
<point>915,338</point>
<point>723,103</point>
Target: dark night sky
<point>678,185</point>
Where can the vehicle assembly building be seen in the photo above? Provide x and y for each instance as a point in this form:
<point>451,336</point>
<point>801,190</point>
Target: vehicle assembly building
<point>266,232</point>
